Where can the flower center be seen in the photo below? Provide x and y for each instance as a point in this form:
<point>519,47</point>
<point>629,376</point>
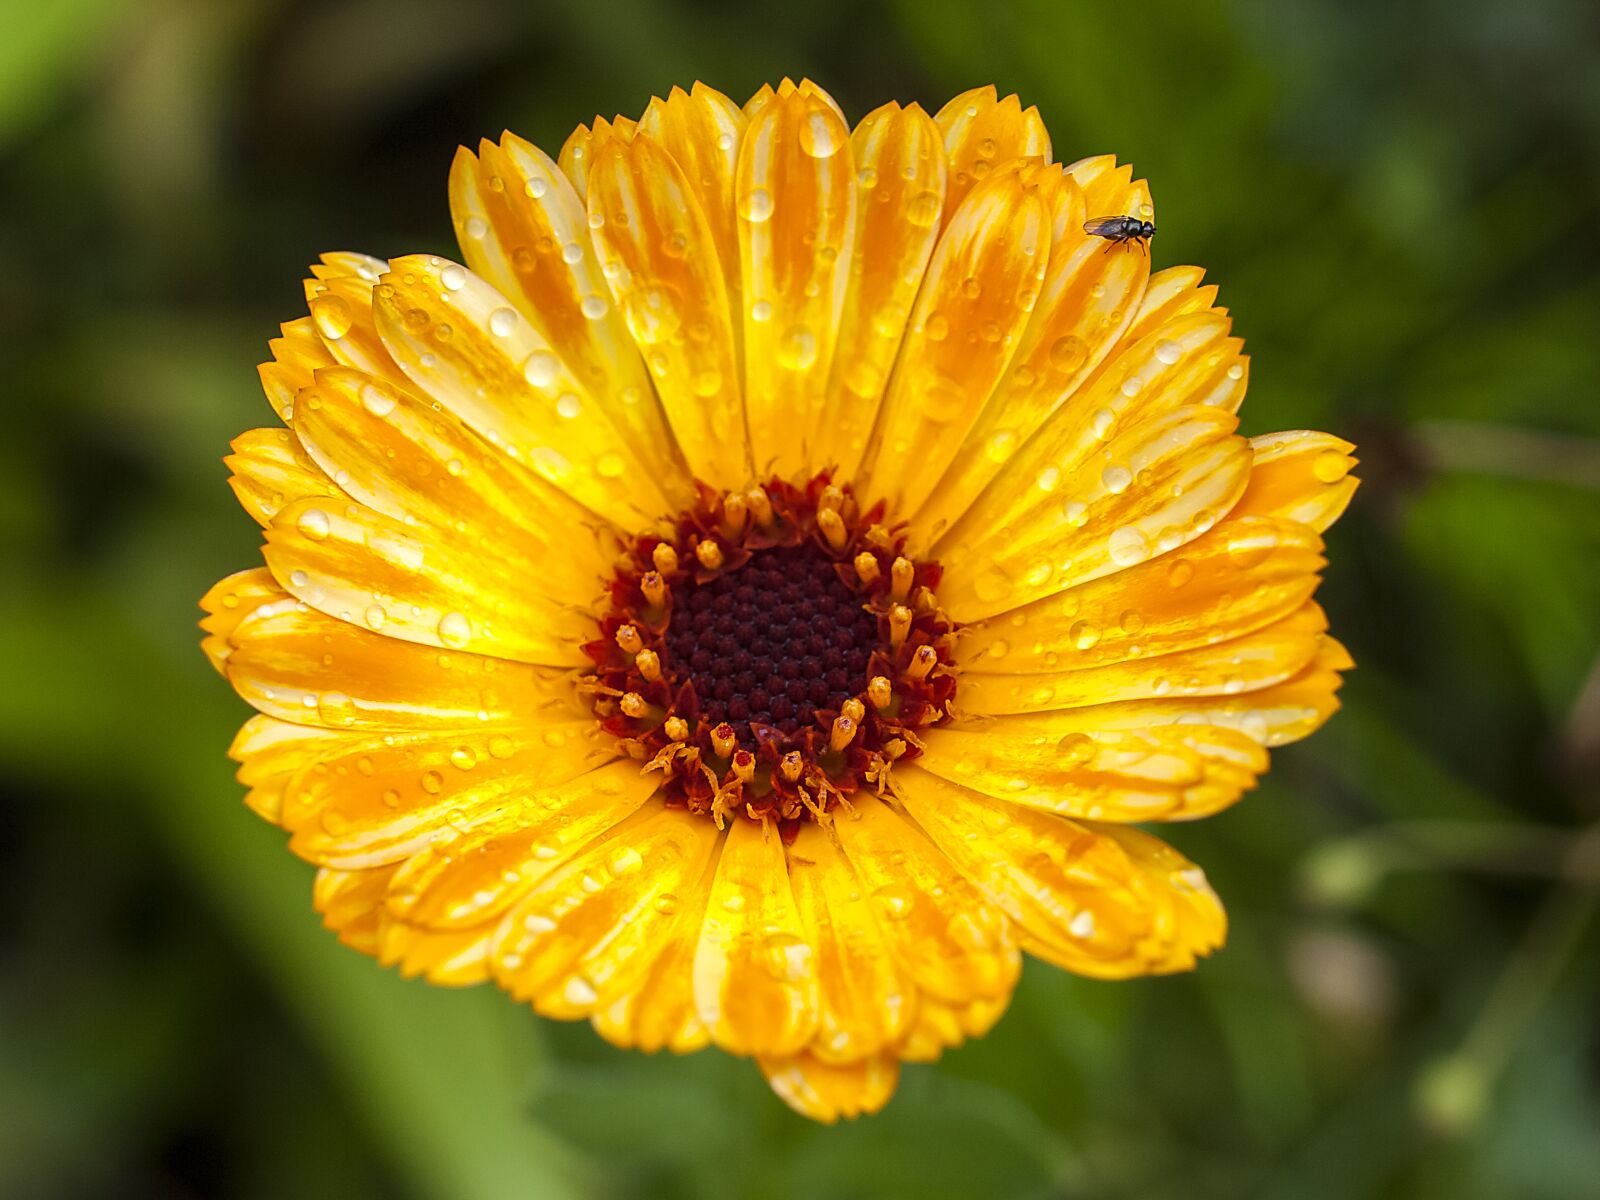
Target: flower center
<point>774,641</point>
<point>774,654</point>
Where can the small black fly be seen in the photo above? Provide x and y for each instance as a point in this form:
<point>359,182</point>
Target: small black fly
<point>1117,230</point>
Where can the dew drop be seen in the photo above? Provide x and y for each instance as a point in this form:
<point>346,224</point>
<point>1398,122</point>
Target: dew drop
<point>1168,352</point>
<point>594,307</point>
<point>1330,466</point>
<point>1129,546</point>
<point>1180,573</point>
<point>541,369</point>
<point>894,900</point>
<point>569,405</point>
<point>314,524</point>
<point>797,349</point>
<point>1084,634</point>
<point>756,205</point>
<point>455,630</point>
<point>1116,479</point>
<point>624,860</point>
<point>432,782</point>
<point>376,400</point>
<point>1075,749</point>
<point>818,136</point>
<point>453,278</point>
<point>923,209</point>
<point>502,322</point>
<point>464,758</point>
<point>476,228</point>
<point>332,315</point>
<point>1068,353</point>
<point>375,616</point>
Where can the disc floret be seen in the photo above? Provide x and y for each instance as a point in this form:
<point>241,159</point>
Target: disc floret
<point>773,654</point>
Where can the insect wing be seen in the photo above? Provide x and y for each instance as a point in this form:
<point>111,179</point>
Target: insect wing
<point>1107,227</point>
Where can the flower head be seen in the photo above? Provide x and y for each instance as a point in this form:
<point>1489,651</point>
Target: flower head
<point>756,595</point>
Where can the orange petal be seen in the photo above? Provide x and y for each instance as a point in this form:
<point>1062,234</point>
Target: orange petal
<point>1172,293</point>
<point>901,171</point>
<point>664,272</point>
<point>1081,896</point>
<point>1169,773</point>
<point>755,974</point>
<point>358,565</point>
<point>1153,488</point>
<point>864,1001</point>
<point>398,454</point>
<point>1083,310</point>
<point>940,929</point>
<point>701,129</point>
<point>270,470</point>
<point>459,340</point>
<point>381,804</point>
<point>589,930</point>
<point>525,230</point>
<point>584,146</point>
<point>1238,576</point>
<point>973,306</point>
<point>300,665</point>
<point>796,200</point>
<point>1299,476</point>
<point>982,133</point>
<point>1256,660</point>
<point>825,1092</point>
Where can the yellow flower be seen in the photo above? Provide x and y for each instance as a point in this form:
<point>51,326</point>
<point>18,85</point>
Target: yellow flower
<point>754,598</point>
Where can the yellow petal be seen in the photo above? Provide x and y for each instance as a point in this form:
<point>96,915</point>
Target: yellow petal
<point>495,851</point>
<point>755,974</point>
<point>351,904</point>
<point>525,230</point>
<point>585,144</point>
<point>900,168</point>
<point>1188,919</point>
<point>295,356</point>
<point>341,312</point>
<point>380,804</point>
<point>300,665</point>
<point>864,1001</point>
<point>228,602</point>
<point>1300,476</point>
<point>1271,716</point>
<point>659,1011</point>
<point>1081,897</point>
<point>1151,489</point>
<point>1238,576</point>
<point>939,927</point>
<point>270,470</point>
<point>590,929</point>
<point>795,196</point>
<point>460,341</point>
<point>982,132</point>
<point>1172,293</point>
<point>269,753</point>
<point>359,565</point>
<point>972,308</point>
<point>825,1091</point>
<point>701,129</point>
<point>666,277</point>
<point>940,1026</point>
<point>1256,660</point>
<point>452,958</point>
<point>396,453</point>
<point>1168,773</point>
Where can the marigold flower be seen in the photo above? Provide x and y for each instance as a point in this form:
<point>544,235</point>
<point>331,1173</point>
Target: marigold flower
<point>756,596</point>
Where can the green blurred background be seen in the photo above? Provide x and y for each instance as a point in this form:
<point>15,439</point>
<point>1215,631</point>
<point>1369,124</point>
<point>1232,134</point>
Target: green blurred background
<point>1400,203</point>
